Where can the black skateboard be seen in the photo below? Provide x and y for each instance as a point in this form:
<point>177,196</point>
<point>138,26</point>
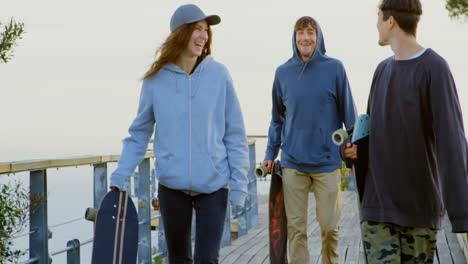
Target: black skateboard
<point>116,230</point>
<point>277,222</point>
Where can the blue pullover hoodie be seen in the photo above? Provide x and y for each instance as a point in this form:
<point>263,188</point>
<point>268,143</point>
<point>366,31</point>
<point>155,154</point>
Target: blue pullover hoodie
<point>199,138</point>
<point>310,101</point>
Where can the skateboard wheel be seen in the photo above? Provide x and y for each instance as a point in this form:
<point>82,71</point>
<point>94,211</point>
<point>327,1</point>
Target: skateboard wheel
<point>90,214</point>
<point>261,171</point>
<point>339,136</point>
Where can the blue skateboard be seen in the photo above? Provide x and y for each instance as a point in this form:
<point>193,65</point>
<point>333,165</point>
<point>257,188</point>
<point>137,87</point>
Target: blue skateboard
<point>116,230</point>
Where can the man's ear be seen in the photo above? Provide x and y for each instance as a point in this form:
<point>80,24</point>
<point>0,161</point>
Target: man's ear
<point>392,22</point>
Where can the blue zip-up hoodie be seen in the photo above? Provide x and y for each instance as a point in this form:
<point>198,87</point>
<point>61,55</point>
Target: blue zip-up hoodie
<point>199,141</point>
<point>310,101</point>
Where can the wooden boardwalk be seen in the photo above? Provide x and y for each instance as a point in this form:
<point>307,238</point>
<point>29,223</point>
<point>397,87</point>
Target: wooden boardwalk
<point>253,247</point>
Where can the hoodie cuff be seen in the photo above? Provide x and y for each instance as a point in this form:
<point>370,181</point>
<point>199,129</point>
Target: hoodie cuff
<point>459,224</point>
<point>238,197</point>
<point>269,155</point>
<point>118,181</point>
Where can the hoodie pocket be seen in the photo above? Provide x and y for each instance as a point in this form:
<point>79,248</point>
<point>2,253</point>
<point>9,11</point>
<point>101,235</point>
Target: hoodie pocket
<point>308,146</point>
<point>169,168</point>
<point>208,175</point>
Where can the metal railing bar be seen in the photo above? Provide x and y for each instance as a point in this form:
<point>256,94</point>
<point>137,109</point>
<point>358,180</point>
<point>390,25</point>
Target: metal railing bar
<point>24,234</point>
<point>67,222</point>
<point>30,261</point>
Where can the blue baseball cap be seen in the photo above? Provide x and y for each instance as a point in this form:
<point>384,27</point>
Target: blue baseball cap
<point>190,13</point>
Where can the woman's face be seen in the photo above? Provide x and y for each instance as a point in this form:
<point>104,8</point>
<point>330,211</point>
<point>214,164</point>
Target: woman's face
<point>198,40</point>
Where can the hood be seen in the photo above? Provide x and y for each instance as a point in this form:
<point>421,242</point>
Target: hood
<point>196,73</point>
<point>200,67</point>
<point>319,49</point>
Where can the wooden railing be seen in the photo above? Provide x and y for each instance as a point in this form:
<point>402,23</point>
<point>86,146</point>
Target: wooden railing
<point>242,218</point>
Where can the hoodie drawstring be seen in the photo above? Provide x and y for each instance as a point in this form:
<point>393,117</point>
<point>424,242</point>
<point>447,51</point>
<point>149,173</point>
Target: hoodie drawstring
<point>302,71</point>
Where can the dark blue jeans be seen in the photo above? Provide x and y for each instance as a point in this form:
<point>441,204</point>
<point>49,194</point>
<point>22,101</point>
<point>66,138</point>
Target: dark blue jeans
<point>176,211</point>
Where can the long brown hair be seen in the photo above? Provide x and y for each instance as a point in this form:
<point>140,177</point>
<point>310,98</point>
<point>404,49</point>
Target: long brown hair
<point>174,45</point>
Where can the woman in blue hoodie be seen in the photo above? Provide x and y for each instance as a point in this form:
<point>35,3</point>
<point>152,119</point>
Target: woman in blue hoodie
<point>189,101</point>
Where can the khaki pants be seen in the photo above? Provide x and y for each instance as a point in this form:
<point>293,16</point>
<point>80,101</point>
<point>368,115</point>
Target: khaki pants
<point>327,193</point>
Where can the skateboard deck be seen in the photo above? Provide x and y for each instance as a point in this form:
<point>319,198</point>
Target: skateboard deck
<point>277,222</point>
<point>116,230</point>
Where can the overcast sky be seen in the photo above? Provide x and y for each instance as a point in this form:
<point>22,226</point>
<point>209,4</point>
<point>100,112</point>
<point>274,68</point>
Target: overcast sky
<point>73,86</point>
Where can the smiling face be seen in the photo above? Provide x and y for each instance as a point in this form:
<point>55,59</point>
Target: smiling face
<point>198,39</point>
<point>306,41</point>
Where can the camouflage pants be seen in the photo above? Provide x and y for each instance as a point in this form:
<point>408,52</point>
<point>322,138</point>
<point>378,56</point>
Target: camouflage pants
<point>389,243</point>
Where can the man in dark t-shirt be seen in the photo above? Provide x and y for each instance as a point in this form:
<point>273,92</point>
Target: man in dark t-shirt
<point>417,149</point>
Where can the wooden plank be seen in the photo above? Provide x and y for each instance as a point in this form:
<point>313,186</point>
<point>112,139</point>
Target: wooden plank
<point>5,168</point>
<point>111,158</point>
<point>262,255</point>
<point>456,251</point>
<point>352,254</point>
<point>361,258</point>
<point>241,248</point>
<point>443,251</point>
<point>353,241</point>
<point>258,244</point>
<point>236,245</point>
<point>30,165</point>
<point>462,241</point>
<point>254,248</point>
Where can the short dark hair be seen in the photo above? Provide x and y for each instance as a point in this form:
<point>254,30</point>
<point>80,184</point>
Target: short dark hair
<point>303,22</point>
<point>405,12</point>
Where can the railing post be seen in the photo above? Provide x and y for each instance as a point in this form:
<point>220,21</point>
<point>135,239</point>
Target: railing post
<point>38,239</point>
<point>135,183</point>
<point>144,213</point>
<point>239,215</point>
<point>73,255</point>
<point>252,220</point>
<point>100,183</point>
<point>153,183</point>
<point>128,185</point>
<point>226,240</point>
<point>162,245</point>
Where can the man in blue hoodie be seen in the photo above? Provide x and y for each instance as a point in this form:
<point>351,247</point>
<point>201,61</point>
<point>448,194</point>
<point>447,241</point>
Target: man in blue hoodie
<point>311,99</point>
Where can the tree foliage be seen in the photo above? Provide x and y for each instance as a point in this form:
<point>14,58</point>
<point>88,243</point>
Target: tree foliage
<point>457,8</point>
<point>8,37</point>
<point>14,213</point>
